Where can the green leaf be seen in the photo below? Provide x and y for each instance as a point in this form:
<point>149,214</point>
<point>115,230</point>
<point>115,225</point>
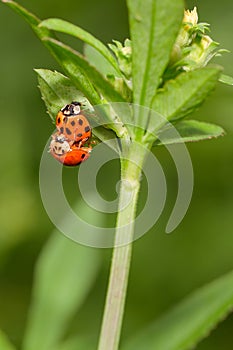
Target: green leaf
<point>189,131</point>
<point>69,28</point>
<point>72,61</point>
<point>75,73</point>
<point>64,275</point>
<point>154,26</point>
<point>5,343</point>
<point>226,79</point>
<point>81,81</point>
<point>76,67</point>
<point>99,61</point>
<point>57,90</point>
<point>190,321</point>
<point>183,95</point>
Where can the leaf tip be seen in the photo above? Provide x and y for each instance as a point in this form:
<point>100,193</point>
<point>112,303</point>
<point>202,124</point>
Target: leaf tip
<point>168,229</point>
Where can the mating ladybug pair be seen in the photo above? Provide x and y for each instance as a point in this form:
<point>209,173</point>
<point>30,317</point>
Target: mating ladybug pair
<point>68,144</point>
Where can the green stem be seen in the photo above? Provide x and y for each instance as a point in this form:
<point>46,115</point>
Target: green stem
<point>118,280</point>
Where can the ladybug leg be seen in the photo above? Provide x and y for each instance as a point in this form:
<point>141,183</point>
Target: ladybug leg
<point>92,142</point>
<point>81,142</point>
<point>87,149</point>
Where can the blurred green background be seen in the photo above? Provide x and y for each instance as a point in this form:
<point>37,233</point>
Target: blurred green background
<point>165,268</point>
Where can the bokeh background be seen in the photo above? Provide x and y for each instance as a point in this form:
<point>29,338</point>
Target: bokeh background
<point>165,268</point>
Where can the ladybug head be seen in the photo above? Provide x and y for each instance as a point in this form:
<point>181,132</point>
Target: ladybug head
<point>73,108</point>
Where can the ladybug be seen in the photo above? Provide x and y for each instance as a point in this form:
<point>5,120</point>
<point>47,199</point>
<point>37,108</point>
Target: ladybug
<point>59,145</point>
<point>70,155</point>
<point>71,123</point>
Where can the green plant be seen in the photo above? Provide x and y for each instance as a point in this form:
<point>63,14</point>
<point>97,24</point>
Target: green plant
<point>162,68</point>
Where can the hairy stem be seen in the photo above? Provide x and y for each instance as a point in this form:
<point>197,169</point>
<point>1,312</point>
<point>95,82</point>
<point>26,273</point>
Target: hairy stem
<point>118,280</point>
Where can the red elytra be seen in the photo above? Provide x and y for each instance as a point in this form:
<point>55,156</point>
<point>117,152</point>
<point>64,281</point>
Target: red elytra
<point>73,157</point>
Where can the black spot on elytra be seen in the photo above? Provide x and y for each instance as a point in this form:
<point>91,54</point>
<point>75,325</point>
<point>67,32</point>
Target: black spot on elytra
<point>68,131</point>
<point>80,135</point>
<point>73,123</point>
<point>80,121</point>
<point>59,148</point>
<point>63,151</point>
<point>62,129</point>
<point>59,120</point>
<point>87,128</point>
<point>65,120</point>
<point>83,155</point>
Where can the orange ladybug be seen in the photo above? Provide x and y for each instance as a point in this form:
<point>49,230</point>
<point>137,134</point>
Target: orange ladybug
<point>71,123</point>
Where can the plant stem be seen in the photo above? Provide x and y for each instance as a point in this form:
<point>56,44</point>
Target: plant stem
<point>119,272</point>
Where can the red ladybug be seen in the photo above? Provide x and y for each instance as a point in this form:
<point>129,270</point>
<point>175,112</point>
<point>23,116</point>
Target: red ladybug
<point>70,155</point>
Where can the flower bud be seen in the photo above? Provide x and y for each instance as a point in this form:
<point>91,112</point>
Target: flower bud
<point>123,54</point>
<point>193,48</point>
<point>190,18</point>
<point>201,53</point>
